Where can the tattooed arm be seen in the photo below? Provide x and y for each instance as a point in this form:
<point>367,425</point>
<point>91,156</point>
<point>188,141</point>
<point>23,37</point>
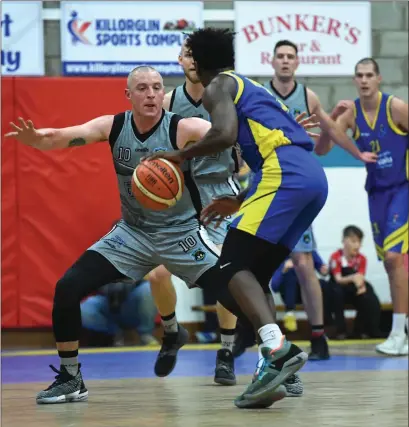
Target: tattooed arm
<point>96,130</point>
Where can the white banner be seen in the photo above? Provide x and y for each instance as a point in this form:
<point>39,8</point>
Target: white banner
<point>331,36</point>
<point>22,38</point>
<point>111,38</point>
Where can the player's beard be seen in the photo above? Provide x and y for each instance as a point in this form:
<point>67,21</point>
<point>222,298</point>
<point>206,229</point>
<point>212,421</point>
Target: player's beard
<point>285,79</point>
<point>195,80</point>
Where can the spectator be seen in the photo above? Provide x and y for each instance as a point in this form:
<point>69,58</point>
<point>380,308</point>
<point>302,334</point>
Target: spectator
<point>124,304</point>
<point>348,286</point>
<point>286,283</point>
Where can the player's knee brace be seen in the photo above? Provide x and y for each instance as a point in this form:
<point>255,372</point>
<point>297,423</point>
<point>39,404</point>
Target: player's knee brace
<point>66,309</point>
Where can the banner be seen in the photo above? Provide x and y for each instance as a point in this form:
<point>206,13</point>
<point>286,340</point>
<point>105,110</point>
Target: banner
<point>331,36</point>
<point>22,38</point>
<point>112,38</point>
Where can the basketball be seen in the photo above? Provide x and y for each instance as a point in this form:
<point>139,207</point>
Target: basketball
<point>157,184</point>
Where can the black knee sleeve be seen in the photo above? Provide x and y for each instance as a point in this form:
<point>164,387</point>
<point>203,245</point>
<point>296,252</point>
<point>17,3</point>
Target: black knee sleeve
<point>66,309</point>
<point>88,274</point>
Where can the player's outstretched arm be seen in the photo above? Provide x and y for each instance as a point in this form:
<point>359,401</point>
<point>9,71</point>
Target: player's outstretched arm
<point>344,118</point>
<point>96,130</point>
<point>335,132</point>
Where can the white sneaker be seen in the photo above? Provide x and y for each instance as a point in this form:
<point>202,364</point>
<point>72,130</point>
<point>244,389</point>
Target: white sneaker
<point>395,345</point>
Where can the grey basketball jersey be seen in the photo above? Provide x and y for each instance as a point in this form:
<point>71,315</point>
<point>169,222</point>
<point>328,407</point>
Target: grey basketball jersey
<point>296,100</point>
<point>128,147</point>
<point>215,168</point>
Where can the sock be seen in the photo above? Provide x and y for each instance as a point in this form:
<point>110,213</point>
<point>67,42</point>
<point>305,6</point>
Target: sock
<point>317,331</point>
<point>69,359</point>
<point>227,338</point>
<point>170,323</point>
<point>398,323</point>
<point>271,336</point>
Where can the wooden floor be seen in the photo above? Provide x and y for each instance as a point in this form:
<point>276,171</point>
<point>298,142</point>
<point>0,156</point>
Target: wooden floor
<point>346,395</point>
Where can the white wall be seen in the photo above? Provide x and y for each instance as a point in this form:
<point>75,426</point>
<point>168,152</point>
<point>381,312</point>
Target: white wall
<point>346,205</point>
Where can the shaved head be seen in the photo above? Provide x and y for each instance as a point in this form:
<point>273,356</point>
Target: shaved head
<point>141,69</point>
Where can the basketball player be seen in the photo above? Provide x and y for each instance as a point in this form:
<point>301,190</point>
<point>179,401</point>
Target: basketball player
<point>379,122</point>
<point>298,98</point>
<point>288,191</point>
<point>214,176</point>
<point>143,239</point>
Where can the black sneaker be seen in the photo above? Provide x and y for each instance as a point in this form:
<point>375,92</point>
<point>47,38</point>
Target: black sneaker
<point>66,388</point>
<point>167,356</point>
<point>224,372</point>
<point>294,386</point>
<point>319,349</point>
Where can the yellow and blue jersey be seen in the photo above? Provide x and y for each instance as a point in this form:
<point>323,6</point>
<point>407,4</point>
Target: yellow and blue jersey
<point>289,186</point>
<point>265,123</point>
<point>387,180</point>
<point>387,140</point>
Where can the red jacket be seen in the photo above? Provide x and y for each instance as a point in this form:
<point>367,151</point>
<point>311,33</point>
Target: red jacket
<point>339,264</point>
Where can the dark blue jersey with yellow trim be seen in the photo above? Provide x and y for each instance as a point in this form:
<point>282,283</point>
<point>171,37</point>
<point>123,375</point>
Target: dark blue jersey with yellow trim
<point>387,140</point>
<point>264,123</point>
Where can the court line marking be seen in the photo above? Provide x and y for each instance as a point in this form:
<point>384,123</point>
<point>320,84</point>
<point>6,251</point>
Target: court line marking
<point>194,347</point>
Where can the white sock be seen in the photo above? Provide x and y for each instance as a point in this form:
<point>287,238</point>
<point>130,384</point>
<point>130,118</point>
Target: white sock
<point>271,335</point>
<point>227,339</point>
<point>398,323</point>
<point>170,323</point>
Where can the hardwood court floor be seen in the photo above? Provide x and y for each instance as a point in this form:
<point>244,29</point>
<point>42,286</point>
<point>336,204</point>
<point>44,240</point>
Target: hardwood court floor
<point>354,388</point>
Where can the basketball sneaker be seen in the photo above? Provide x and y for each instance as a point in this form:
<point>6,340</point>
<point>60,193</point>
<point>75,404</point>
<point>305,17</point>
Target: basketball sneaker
<point>224,372</point>
<point>171,344</point>
<point>319,349</point>
<point>395,345</point>
<point>66,388</point>
<point>277,366</point>
<point>293,385</point>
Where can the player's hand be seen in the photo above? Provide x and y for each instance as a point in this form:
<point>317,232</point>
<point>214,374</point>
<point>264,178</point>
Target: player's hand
<point>368,157</point>
<point>309,122</point>
<point>288,265</point>
<point>341,107</point>
<point>324,270</point>
<point>220,208</point>
<point>27,134</point>
<point>172,156</point>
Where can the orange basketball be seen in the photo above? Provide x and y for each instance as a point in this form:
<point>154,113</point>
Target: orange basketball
<point>157,184</point>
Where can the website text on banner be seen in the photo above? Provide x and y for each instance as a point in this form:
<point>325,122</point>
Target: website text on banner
<point>22,38</point>
<point>115,37</point>
<point>331,36</point>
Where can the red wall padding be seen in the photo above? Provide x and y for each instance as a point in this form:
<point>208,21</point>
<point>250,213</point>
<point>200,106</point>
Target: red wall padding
<point>54,204</point>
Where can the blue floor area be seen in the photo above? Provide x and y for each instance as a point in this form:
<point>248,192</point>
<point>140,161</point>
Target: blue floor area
<point>191,363</point>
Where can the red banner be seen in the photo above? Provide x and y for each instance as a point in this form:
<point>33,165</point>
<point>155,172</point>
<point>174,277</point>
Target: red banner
<point>54,204</point>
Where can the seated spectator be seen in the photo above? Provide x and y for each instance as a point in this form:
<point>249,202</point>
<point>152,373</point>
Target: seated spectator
<point>285,282</point>
<point>347,285</point>
<point>124,304</point>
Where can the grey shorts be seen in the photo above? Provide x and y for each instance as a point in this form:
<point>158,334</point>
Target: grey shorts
<point>306,243</point>
<point>187,252</point>
<point>209,190</point>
